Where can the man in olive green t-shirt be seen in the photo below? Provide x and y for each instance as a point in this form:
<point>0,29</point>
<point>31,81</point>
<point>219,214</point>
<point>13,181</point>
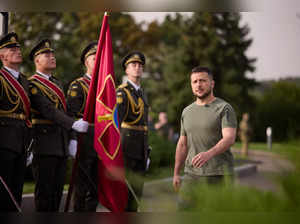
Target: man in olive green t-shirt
<point>208,129</point>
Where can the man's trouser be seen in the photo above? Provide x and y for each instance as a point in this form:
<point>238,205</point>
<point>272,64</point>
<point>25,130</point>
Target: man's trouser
<point>49,173</point>
<point>12,171</point>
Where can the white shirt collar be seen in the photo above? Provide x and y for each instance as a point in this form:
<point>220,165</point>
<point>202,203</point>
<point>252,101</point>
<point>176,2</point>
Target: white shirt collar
<point>134,85</point>
<point>89,76</point>
<point>44,75</point>
<point>13,72</point>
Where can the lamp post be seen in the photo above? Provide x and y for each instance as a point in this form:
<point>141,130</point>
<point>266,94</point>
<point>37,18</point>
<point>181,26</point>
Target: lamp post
<point>269,137</point>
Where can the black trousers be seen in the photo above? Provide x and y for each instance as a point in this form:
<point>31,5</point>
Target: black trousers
<point>12,171</point>
<point>85,193</point>
<point>49,173</point>
<point>135,172</point>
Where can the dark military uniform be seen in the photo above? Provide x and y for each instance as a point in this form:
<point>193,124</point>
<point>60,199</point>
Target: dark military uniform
<point>85,195</point>
<point>14,134</point>
<point>51,139</point>
<point>133,113</point>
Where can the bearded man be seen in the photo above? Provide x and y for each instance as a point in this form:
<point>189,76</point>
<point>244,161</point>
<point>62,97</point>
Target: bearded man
<point>208,129</point>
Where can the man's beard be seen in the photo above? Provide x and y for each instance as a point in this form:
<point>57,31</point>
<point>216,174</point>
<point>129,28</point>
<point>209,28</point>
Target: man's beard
<point>205,95</point>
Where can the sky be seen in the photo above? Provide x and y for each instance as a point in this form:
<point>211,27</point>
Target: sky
<point>276,41</point>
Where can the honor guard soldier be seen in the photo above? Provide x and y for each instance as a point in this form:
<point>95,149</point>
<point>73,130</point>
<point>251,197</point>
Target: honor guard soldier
<point>85,195</point>
<point>133,114</point>
<point>14,123</point>
<point>52,128</point>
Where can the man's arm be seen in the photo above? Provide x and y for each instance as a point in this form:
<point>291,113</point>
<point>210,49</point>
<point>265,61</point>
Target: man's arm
<point>224,144</point>
<point>181,153</point>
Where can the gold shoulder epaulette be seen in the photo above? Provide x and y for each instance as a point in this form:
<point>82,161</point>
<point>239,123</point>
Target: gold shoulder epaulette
<point>122,86</point>
<point>74,82</point>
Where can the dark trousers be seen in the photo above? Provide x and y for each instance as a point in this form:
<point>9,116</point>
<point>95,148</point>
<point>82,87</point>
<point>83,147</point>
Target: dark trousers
<point>85,193</point>
<point>12,171</point>
<point>135,172</point>
<point>49,173</point>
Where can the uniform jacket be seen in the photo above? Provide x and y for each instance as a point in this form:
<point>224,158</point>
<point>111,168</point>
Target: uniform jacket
<point>14,133</point>
<point>52,133</point>
<point>76,101</point>
<point>133,111</point>
<point>77,96</point>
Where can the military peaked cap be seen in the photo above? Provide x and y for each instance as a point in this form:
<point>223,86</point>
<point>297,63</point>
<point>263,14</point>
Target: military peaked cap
<point>9,40</point>
<point>134,56</point>
<point>42,47</point>
<point>90,49</point>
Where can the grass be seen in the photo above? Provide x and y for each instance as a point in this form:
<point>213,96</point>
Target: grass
<point>289,149</point>
<point>29,187</point>
<point>235,198</point>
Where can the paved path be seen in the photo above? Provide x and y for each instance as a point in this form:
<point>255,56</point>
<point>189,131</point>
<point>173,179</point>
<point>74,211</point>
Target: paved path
<point>159,195</point>
<point>269,165</point>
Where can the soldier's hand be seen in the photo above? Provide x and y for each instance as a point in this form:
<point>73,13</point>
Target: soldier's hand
<point>176,182</point>
<point>73,148</point>
<point>81,126</point>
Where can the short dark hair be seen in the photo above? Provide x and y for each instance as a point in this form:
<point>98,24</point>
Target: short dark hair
<point>202,69</point>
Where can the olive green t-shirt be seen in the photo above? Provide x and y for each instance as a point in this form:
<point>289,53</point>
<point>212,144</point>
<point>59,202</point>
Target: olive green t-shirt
<point>203,127</point>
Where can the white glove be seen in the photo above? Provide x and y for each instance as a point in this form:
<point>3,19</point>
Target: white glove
<point>29,159</point>
<point>148,164</point>
<point>73,148</point>
<point>80,126</point>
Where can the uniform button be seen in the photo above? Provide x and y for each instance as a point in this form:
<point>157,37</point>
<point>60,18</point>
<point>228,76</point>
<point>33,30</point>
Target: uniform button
<point>44,130</point>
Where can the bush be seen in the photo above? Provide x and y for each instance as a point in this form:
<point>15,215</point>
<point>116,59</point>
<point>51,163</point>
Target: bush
<point>163,152</point>
<point>278,108</point>
<point>237,198</point>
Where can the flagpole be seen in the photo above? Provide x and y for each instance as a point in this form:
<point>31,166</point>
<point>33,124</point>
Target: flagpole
<point>11,195</point>
<point>86,117</point>
<point>132,191</point>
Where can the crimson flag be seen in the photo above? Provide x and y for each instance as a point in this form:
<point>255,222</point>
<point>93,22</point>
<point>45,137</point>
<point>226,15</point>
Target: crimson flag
<point>101,109</point>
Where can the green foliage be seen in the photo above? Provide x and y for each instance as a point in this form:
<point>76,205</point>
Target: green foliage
<point>235,198</point>
<point>163,152</point>
<point>279,108</point>
<point>230,198</point>
<point>70,33</point>
<point>214,40</point>
<point>172,49</point>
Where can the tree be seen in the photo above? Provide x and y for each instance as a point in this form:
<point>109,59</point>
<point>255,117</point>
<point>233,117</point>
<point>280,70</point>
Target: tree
<point>279,108</point>
<point>61,29</point>
<point>214,40</point>
<point>70,33</point>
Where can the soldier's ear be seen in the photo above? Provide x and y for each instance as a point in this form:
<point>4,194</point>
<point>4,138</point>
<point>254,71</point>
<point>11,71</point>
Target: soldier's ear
<point>2,56</point>
<point>36,59</point>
